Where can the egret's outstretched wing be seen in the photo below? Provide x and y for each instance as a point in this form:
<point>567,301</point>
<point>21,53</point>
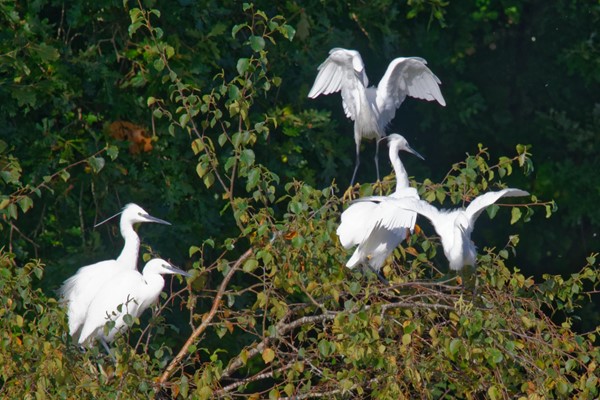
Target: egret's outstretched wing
<point>343,70</point>
<point>388,216</point>
<point>481,202</point>
<point>406,76</point>
<point>354,225</point>
<point>377,227</point>
<point>407,203</point>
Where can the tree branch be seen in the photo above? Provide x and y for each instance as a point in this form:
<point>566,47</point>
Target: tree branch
<point>205,321</point>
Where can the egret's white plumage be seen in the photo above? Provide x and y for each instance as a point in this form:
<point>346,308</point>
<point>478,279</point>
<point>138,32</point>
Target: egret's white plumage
<point>379,227</point>
<point>453,226</point>
<point>373,108</point>
<point>127,292</point>
<point>78,291</point>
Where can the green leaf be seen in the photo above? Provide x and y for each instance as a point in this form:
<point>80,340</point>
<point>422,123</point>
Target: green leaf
<point>324,347</point>
<point>25,203</point>
<point>113,152</point>
<point>495,356</point>
<point>515,215</point>
<point>194,250</point>
<point>492,210</point>
<point>236,29</point>
<point>222,139</point>
<point>247,157</point>
<point>494,393</point>
<point>208,180</point>
<point>242,65</point>
<point>184,119</point>
<point>96,163</point>
<point>45,52</point>
<point>253,178</point>
<point>257,43</point>
<point>64,175</point>
<point>233,92</point>
<point>201,169</point>
<point>454,346</point>
<point>562,387</point>
<point>250,265</point>
<point>159,64</point>
<point>128,319</point>
<point>288,32</point>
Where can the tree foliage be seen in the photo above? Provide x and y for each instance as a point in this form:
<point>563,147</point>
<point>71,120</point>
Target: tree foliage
<point>198,111</point>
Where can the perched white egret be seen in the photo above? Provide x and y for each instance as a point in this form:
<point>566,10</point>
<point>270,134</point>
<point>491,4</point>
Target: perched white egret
<point>379,227</point>
<point>453,226</point>
<point>127,292</point>
<point>80,289</point>
<point>373,108</point>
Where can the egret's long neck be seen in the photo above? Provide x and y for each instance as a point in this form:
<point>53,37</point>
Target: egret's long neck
<point>149,293</point>
<point>129,255</point>
<point>399,170</point>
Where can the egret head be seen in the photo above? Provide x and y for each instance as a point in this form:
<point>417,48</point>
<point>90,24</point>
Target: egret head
<point>136,214</point>
<point>162,267</point>
<point>398,142</point>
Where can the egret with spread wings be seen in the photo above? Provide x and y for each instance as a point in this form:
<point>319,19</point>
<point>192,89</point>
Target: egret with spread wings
<point>379,227</point>
<point>453,226</point>
<point>373,108</point>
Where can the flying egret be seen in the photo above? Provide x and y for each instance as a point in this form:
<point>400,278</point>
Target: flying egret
<point>80,289</point>
<point>379,227</point>
<point>453,226</point>
<point>373,108</point>
<point>127,292</point>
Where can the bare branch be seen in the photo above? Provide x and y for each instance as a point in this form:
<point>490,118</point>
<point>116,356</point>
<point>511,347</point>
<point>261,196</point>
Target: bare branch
<point>206,320</point>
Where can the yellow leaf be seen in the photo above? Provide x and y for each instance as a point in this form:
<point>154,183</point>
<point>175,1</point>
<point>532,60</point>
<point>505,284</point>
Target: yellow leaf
<point>268,355</point>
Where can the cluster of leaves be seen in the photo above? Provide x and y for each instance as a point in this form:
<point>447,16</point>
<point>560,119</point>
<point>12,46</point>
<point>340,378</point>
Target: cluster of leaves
<point>271,311</point>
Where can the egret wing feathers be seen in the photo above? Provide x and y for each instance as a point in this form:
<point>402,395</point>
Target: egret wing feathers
<point>406,76</point>
<point>342,71</point>
<point>76,290</point>
<point>353,226</point>
<point>479,204</point>
<point>103,307</point>
<point>341,65</point>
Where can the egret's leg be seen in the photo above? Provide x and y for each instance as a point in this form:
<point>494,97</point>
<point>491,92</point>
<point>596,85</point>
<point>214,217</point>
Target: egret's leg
<point>108,349</point>
<point>378,274</point>
<point>377,158</point>
<point>357,163</point>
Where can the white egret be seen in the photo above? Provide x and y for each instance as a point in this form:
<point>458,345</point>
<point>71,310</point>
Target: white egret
<point>379,227</point>
<point>373,108</point>
<point>453,226</point>
<point>127,292</point>
<point>80,289</point>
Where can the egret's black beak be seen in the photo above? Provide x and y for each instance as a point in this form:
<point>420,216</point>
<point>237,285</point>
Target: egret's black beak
<point>413,151</point>
<point>150,218</point>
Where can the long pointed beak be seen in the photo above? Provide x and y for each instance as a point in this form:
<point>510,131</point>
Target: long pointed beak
<point>177,271</point>
<point>150,218</point>
<point>411,150</point>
